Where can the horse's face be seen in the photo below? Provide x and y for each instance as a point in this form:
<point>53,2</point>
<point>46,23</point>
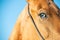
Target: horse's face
<point>45,15</point>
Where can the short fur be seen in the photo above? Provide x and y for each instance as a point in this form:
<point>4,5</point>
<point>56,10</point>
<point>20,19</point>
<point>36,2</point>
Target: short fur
<point>50,28</point>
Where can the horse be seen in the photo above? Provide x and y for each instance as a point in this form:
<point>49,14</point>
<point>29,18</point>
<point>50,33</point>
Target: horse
<point>40,20</point>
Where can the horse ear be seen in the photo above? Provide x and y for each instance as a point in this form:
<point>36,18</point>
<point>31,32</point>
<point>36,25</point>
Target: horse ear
<point>51,0</point>
<point>28,1</point>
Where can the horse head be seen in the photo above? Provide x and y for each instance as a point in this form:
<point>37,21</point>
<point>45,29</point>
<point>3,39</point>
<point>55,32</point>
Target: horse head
<point>45,15</point>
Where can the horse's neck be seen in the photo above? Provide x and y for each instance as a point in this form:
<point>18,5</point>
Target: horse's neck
<point>23,14</point>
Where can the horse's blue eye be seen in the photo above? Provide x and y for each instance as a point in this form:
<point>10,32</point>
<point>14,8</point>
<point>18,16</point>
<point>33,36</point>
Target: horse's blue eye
<point>43,15</point>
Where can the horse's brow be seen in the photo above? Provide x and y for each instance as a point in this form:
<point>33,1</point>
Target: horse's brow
<point>39,6</point>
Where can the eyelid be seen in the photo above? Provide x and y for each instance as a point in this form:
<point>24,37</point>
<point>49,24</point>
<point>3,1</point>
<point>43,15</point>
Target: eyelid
<point>41,10</point>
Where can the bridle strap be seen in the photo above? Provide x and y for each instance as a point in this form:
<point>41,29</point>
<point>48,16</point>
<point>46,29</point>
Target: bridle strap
<point>35,24</point>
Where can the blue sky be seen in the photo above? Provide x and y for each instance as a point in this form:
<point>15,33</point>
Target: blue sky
<point>9,11</point>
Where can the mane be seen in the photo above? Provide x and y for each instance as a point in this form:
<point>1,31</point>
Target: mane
<point>58,10</point>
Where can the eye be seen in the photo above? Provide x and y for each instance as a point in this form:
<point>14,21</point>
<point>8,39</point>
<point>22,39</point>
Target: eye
<point>43,15</point>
